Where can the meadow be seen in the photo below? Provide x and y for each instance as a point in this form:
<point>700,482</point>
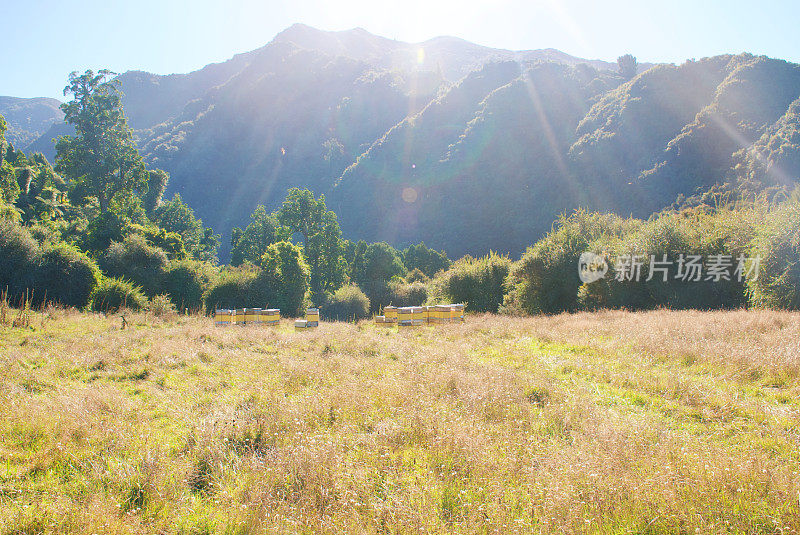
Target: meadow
<point>607,422</point>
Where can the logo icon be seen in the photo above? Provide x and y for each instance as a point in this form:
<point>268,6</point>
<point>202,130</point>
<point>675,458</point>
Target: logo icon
<point>591,267</point>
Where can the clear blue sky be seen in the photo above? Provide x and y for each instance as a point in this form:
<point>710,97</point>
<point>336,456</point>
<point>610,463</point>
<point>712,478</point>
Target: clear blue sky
<point>43,40</point>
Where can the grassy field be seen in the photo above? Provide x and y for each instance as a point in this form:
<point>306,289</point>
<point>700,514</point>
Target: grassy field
<point>613,422</point>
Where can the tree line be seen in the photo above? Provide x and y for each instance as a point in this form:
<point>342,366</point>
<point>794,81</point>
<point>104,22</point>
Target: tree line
<point>94,231</point>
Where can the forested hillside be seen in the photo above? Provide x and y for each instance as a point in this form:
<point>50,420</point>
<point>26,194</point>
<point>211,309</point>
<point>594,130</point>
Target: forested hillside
<point>29,118</point>
<point>464,147</point>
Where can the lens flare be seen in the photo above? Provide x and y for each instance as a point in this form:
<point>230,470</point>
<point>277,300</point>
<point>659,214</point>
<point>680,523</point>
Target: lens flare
<point>410,195</point>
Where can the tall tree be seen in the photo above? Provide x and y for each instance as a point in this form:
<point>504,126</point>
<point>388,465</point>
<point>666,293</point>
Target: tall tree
<point>249,244</point>
<point>156,186</point>
<point>101,158</point>
<point>301,213</point>
<point>176,216</point>
<point>426,260</point>
<point>627,66</point>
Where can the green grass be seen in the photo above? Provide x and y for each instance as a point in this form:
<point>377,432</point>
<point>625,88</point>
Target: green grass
<point>613,422</point>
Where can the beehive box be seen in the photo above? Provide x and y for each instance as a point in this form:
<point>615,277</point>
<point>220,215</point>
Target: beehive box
<point>442,314</point>
<point>390,313</point>
<point>238,317</point>
<point>300,324</point>
<point>223,316</point>
<point>252,316</point>
<point>405,316</point>
<point>270,316</point>
<point>427,313</point>
<point>417,316</point>
<point>457,312</point>
<point>312,317</point>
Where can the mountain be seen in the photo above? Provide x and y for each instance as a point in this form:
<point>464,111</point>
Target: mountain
<point>465,147</point>
<point>29,118</point>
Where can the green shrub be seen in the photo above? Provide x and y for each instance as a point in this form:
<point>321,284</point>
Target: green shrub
<point>66,275</point>
<point>114,294</point>
<point>284,279</point>
<point>101,231</point>
<point>281,283</point>
<point>19,253</point>
<point>406,294</point>
<point>160,305</point>
<point>546,279</point>
<point>170,242</point>
<point>426,260</point>
<point>477,282</point>
<point>701,233</point>
<point>186,281</point>
<point>777,243</point>
<point>348,303</point>
<point>415,275</point>
<point>135,260</point>
<point>233,290</point>
<point>8,212</point>
<point>379,293</point>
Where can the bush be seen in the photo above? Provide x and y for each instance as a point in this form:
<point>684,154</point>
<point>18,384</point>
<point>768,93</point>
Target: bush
<point>114,294</point>
<point>477,282</point>
<point>161,305</point>
<point>348,303</point>
<point>19,253</point>
<point>407,294</point>
<point>284,279</point>
<point>233,290</point>
<point>415,275</point>
<point>170,242</point>
<point>693,232</point>
<point>186,281</point>
<point>429,262</point>
<point>135,260</point>
<point>66,275</point>
<point>777,243</point>
<point>546,279</point>
<point>281,283</point>
<point>101,231</point>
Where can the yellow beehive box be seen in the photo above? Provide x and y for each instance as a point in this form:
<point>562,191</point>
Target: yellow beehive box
<point>271,316</point>
<point>457,312</point>
<point>405,316</point>
<point>390,313</point>
<point>252,316</point>
<point>238,318</point>
<point>223,316</point>
<point>312,317</point>
<point>417,316</point>
<point>442,314</point>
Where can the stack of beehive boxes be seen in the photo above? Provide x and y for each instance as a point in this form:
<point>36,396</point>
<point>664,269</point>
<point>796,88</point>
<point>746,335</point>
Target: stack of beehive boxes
<point>252,316</point>
<point>247,316</point>
<point>405,317</point>
<point>415,316</point>
<point>224,316</point>
<point>270,316</point>
<point>311,320</point>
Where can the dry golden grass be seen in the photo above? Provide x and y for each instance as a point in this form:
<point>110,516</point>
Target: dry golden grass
<point>612,422</point>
